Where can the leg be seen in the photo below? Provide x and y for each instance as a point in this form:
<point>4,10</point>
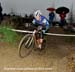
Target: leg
<point>40,43</point>
<point>40,40</point>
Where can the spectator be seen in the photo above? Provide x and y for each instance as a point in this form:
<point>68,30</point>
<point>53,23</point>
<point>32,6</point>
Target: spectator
<point>62,11</point>
<point>51,17</point>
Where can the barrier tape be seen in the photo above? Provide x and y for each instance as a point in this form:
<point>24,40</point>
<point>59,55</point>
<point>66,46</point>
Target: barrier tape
<point>52,34</point>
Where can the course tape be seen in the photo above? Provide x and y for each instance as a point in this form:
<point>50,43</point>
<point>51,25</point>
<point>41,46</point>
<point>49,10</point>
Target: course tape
<point>52,34</point>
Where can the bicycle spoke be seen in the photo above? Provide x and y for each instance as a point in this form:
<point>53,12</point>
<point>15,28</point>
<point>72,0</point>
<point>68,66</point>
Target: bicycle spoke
<point>30,42</point>
<point>27,41</point>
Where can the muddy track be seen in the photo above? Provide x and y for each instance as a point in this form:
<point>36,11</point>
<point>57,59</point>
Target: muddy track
<point>54,56</point>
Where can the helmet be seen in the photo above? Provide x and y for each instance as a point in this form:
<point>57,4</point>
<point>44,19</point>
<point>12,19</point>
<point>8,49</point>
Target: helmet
<point>36,13</point>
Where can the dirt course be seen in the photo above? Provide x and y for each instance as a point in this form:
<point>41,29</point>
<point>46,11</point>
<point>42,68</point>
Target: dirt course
<point>58,55</point>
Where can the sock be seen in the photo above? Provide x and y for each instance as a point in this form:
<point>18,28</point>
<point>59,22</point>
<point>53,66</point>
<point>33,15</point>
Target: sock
<point>40,46</point>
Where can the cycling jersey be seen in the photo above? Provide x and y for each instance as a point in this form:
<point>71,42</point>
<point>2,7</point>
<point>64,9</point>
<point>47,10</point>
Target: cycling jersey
<point>42,21</point>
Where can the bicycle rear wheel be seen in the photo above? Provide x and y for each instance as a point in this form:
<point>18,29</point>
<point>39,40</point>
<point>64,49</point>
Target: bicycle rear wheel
<point>25,45</point>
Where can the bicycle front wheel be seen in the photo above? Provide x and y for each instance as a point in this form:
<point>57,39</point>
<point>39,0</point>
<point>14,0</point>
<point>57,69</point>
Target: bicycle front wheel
<point>25,45</point>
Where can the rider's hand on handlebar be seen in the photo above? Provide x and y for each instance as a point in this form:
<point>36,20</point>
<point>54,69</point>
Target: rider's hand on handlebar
<point>34,32</point>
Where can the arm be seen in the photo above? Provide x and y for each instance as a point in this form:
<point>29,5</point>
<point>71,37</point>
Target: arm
<point>34,24</point>
<point>45,23</point>
<point>33,21</point>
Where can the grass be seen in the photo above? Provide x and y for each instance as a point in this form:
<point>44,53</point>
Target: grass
<point>7,35</point>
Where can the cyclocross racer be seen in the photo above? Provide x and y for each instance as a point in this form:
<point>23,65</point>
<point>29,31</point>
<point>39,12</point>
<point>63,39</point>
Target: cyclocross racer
<point>42,25</point>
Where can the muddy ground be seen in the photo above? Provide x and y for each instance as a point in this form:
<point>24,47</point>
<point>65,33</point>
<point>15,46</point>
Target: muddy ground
<point>59,55</point>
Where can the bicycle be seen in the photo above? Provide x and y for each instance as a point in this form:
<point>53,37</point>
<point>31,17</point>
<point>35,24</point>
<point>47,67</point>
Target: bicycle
<point>26,44</point>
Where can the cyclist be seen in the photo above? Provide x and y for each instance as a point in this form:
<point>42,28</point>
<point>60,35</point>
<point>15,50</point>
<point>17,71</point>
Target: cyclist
<point>42,25</point>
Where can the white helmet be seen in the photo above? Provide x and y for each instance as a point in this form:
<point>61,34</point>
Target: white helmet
<point>36,13</point>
